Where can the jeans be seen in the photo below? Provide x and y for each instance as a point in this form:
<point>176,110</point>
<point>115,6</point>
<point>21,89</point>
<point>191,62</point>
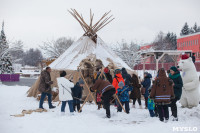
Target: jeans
<point>126,107</point>
<point>106,100</point>
<point>163,112</point>
<point>43,95</point>
<point>70,103</point>
<point>174,107</point>
<point>138,99</point>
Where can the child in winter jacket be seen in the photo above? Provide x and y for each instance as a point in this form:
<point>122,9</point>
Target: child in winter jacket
<point>123,93</point>
<point>162,93</point>
<point>77,94</point>
<point>151,107</point>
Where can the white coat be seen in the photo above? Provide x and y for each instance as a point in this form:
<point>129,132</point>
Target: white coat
<point>64,86</point>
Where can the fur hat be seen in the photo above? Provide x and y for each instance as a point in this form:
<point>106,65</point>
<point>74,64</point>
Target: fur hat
<point>106,70</point>
<point>81,81</point>
<point>121,84</point>
<point>173,68</point>
<point>184,57</point>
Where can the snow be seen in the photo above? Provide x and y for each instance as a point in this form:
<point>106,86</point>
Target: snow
<point>13,100</point>
<point>86,48</point>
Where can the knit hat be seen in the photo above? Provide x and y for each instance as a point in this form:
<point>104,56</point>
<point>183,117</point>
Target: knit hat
<point>173,68</point>
<point>184,57</point>
<point>106,70</point>
<point>121,84</point>
<point>81,81</point>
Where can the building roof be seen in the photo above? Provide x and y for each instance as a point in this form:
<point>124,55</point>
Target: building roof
<point>198,33</point>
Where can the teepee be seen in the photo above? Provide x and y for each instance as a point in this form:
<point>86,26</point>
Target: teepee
<point>87,54</point>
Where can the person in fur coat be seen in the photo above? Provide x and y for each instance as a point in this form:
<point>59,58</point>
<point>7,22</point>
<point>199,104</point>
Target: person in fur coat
<point>162,93</point>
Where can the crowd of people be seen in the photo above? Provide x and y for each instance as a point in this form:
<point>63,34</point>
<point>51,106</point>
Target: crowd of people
<point>159,94</point>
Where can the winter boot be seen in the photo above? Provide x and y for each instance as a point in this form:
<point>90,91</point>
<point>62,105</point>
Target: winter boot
<point>52,107</point>
<point>166,120</point>
<point>108,116</point>
<point>175,119</point>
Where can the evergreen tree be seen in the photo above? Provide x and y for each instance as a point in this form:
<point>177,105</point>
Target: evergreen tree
<point>195,27</point>
<point>185,29</point>
<point>191,31</point>
<point>5,58</point>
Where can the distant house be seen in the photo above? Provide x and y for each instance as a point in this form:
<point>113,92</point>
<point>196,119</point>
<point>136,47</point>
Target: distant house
<point>190,42</point>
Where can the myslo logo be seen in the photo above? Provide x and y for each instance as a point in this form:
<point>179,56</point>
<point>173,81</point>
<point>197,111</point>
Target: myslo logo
<point>185,129</point>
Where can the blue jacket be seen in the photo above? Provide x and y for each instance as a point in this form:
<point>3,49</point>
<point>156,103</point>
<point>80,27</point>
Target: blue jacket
<point>124,96</point>
<point>147,84</point>
<point>151,104</point>
<point>77,92</point>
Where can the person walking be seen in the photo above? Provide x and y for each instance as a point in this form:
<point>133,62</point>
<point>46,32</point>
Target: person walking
<point>123,93</point>
<point>107,90</point>
<point>178,84</point>
<point>146,83</point>
<point>135,93</point>
<point>162,93</point>
<point>45,87</point>
<point>126,76</point>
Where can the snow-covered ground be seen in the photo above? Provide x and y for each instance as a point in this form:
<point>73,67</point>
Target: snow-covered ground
<point>13,100</point>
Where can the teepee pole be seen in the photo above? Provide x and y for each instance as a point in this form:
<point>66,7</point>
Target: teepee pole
<point>105,24</point>
<point>87,87</point>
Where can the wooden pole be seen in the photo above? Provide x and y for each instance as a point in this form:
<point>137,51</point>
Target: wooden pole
<point>120,103</point>
<point>87,87</point>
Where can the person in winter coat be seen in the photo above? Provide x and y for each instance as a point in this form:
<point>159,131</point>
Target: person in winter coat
<point>65,94</point>
<point>135,93</point>
<point>118,78</point>
<point>178,84</point>
<point>45,87</point>
<point>162,93</point>
<point>107,90</point>
<point>77,94</point>
<point>146,83</point>
<point>126,76</point>
<point>123,93</point>
<point>193,58</point>
<point>108,75</point>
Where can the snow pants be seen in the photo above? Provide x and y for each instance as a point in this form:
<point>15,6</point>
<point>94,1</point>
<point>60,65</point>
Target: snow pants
<point>126,107</point>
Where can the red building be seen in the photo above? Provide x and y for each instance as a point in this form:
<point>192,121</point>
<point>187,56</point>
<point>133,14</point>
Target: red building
<point>190,42</point>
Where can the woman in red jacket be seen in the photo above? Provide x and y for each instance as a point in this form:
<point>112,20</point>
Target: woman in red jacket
<point>118,78</point>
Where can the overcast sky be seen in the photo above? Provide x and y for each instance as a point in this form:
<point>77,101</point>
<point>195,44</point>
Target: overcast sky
<point>36,21</point>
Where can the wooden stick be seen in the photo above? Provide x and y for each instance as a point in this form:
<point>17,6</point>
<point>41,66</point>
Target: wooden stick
<point>120,103</point>
<point>87,87</point>
<point>120,94</point>
<point>84,102</point>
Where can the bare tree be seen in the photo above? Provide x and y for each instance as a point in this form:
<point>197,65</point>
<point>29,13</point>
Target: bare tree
<point>127,52</point>
<point>55,48</point>
<point>32,57</point>
<point>17,51</point>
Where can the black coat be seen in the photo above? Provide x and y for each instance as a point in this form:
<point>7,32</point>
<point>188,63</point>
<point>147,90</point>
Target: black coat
<point>77,93</point>
<point>109,77</point>
<point>126,77</point>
